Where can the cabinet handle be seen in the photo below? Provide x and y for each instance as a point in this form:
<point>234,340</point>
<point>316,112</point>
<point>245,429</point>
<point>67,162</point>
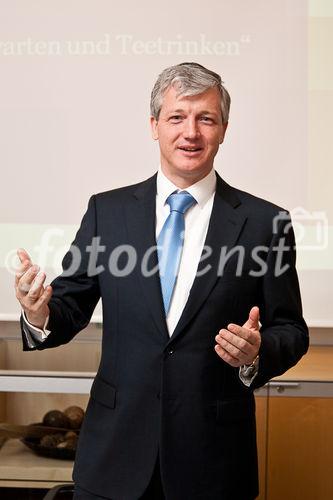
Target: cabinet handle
<point>281,386</point>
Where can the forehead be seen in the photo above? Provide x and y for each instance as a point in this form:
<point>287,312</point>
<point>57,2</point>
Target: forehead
<point>210,100</point>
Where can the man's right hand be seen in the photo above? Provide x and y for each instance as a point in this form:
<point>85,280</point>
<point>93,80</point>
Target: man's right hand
<point>30,290</point>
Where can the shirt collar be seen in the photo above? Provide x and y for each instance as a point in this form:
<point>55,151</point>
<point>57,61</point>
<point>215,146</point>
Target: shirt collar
<point>201,190</point>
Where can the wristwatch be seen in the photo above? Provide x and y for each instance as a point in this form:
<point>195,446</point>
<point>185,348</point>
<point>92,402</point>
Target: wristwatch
<point>252,369</point>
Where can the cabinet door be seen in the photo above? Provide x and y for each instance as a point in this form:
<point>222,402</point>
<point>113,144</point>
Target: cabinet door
<point>300,441</point>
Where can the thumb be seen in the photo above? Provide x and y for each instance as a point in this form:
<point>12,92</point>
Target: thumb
<point>253,319</point>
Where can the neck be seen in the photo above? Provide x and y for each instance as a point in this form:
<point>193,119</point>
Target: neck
<point>183,182</point>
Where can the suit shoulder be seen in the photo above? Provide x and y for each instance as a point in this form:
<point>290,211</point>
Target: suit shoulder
<point>263,217</point>
<point>257,204</point>
<point>123,193</point>
<point>245,201</point>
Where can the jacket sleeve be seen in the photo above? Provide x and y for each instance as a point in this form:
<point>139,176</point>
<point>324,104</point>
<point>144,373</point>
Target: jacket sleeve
<point>284,334</point>
<point>75,292</point>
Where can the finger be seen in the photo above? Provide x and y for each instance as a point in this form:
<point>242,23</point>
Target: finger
<point>25,261</point>
<point>242,332</point>
<point>23,255</point>
<point>24,283</point>
<point>239,358</point>
<point>238,341</point>
<point>21,270</point>
<point>37,287</point>
<point>45,297</point>
<point>230,348</point>
<point>227,356</point>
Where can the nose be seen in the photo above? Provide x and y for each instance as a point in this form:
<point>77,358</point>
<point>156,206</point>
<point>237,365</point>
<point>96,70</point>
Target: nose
<point>191,129</point>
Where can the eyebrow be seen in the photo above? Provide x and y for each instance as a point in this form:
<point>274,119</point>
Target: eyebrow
<point>200,113</point>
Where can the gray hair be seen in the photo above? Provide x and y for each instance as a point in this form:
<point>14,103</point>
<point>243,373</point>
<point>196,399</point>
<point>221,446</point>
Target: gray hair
<point>190,79</point>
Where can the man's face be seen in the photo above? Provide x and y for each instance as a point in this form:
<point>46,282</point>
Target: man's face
<point>189,131</point>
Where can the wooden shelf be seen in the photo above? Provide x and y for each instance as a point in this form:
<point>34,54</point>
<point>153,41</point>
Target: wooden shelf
<point>46,381</point>
<point>315,366</point>
<point>20,467</point>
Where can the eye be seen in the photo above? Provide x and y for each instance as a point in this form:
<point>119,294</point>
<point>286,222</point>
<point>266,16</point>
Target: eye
<point>175,118</point>
<point>206,119</point>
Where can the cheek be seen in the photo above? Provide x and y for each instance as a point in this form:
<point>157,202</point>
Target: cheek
<point>213,143</point>
<point>166,145</point>
<point>168,140</point>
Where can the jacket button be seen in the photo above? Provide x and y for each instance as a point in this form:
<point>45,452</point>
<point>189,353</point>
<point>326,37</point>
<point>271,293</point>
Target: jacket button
<point>171,351</point>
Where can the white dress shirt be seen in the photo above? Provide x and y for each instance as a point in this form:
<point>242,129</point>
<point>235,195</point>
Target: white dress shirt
<point>196,225</point>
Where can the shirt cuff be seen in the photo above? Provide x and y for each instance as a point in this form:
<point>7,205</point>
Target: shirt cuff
<point>248,373</point>
<point>34,334</point>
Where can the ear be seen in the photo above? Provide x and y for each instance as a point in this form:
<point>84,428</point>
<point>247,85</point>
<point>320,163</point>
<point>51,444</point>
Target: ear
<point>224,128</point>
<point>154,128</point>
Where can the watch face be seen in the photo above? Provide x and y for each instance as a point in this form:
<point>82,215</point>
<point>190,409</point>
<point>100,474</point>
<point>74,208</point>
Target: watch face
<point>251,370</point>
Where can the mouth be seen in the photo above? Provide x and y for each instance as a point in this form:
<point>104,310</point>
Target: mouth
<point>190,150</point>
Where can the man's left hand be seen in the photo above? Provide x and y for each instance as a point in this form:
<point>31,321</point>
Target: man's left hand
<point>239,345</point>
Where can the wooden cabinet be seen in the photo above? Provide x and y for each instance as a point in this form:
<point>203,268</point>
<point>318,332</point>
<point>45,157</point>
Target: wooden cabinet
<point>295,431</point>
<point>300,443</point>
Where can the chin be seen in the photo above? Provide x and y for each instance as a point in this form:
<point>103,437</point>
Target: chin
<point>191,170</point>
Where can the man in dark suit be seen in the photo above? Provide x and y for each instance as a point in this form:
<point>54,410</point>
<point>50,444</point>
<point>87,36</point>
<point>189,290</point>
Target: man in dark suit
<point>184,265</point>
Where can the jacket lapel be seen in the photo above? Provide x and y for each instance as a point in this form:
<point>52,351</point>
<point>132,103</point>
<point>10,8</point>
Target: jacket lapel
<point>141,224</point>
<point>224,228</point>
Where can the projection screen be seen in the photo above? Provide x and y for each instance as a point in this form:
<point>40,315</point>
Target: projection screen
<point>74,116</point>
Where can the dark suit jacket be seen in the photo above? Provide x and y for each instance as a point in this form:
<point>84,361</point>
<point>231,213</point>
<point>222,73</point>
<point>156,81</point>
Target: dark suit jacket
<point>175,395</point>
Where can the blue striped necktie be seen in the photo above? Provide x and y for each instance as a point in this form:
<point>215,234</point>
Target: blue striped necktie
<point>170,243</point>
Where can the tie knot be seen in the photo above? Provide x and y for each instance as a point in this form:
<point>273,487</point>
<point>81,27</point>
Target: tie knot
<point>180,202</point>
